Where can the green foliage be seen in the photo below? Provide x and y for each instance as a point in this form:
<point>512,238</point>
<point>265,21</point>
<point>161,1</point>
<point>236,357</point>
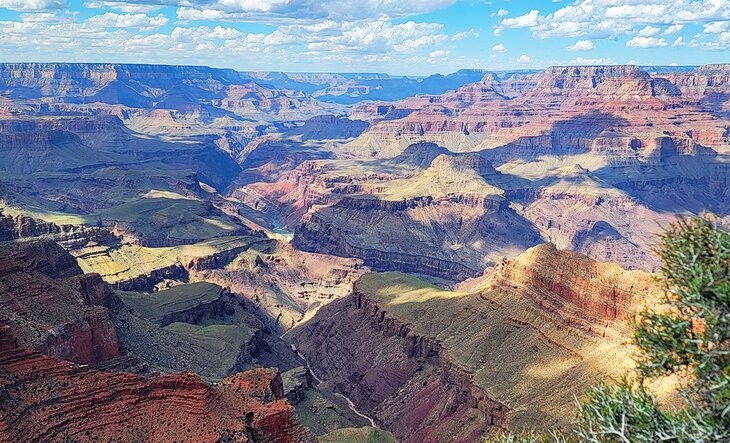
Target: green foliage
<point>530,437</point>
<point>628,413</point>
<point>689,336</point>
<point>693,335</point>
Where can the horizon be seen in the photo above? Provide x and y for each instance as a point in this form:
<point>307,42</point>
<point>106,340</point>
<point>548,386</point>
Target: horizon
<point>223,68</point>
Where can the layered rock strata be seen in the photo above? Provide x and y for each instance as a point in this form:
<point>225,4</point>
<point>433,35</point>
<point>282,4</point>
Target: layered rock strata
<point>50,306</point>
<point>430,364</point>
<point>46,399</point>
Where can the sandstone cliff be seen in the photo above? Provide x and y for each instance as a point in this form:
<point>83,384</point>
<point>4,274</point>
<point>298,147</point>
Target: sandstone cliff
<point>449,221</point>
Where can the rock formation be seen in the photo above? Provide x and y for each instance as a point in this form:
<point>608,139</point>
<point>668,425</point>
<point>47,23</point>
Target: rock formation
<point>598,159</point>
<point>51,307</point>
<point>429,364</point>
<point>47,399</point>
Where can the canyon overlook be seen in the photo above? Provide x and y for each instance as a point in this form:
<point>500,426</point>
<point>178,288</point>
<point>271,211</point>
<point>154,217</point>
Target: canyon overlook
<point>200,254</point>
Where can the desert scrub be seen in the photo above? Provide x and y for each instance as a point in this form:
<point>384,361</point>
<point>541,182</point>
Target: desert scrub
<point>689,335</point>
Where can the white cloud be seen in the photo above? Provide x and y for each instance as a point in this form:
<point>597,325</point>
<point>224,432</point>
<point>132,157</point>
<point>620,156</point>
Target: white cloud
<point>678,42</point>
<point>716,27</point>
<point>327,43</point>
<point>299,11</point>
<point>673,29</point>
<point>648,31</point>
<point>611,18</point>
<point>499,48</point>
<point>591,61</point>
<point>42,17</point>
<point>646,42</point>
<point>32,5</point>
<point>122,6</point>
<point>500,13</point>
<point>380,36</point>
<point>138,21</point>
<point>581,45</point>
<point>522,21</point>
<point>523,59</point>
<point>472,33</point>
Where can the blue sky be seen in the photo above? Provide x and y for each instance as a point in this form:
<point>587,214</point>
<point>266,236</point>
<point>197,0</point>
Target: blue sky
<point>412,37</point>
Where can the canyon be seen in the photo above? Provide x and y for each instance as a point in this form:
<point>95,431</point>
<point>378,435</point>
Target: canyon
<point>198,253</point>
<point>431,364</point>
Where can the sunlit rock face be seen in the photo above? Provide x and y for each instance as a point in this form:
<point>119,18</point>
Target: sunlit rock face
<point>598,159</point>
<point>428,362</point>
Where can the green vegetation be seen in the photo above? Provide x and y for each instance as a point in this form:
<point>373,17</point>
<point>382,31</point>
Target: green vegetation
<point>326,413</point>
<point>358,435</point>
<point>223,340</point>
<point>689,337</point>
<point>177,218</point>
<point>176,299</point>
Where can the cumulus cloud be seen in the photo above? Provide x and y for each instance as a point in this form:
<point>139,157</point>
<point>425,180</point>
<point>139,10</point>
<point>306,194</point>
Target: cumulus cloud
<point>499,48</point>
<point>716,27</point>
<point>373,36</point>
<point>472,33</point>
<point>139,21</point>
<point>611,18</point>
<point>136,37</point>
<point>32,5</point>
<point>500,13</point>
<point>122,6</point>
<point>524,59</point>
<point>299,11</point>
<point>648,31</point>
<point>646,42</point>
<point>591,61</point>
<point>678,42</point>
<point>673,29</point>
<point>581,45</point>
<point>522,21</point>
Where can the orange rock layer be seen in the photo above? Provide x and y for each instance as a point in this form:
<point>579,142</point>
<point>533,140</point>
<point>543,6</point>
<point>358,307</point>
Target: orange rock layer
<point>47,399</point>
<point>599,297</point>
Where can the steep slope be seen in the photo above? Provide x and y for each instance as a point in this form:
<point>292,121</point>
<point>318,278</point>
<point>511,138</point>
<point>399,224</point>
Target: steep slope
<point>46,399</point>
<point>431,364</point>
<point>49,305</point>
<point>450,221</point>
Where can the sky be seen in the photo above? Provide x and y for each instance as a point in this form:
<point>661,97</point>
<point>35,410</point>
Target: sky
<point>399,37</point>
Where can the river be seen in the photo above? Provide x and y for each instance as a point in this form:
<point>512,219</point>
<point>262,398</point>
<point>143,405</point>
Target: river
<point>350,404</point>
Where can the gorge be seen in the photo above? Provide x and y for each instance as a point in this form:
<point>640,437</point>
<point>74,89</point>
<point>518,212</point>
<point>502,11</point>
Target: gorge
<point>200,254</point>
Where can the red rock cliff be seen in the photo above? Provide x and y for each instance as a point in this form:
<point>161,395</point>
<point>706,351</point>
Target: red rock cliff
<point>594,295</point>
<point>51,306</point>
<point>46,399</point>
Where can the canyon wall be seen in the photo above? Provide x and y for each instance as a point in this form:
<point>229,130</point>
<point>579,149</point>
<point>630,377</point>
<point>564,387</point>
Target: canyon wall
<point>47,399</point>
<point>51,307</point>
<point>509,353</point>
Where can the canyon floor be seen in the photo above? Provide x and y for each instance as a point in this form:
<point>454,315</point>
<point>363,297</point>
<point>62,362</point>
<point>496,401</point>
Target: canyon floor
<point>220,256</point>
